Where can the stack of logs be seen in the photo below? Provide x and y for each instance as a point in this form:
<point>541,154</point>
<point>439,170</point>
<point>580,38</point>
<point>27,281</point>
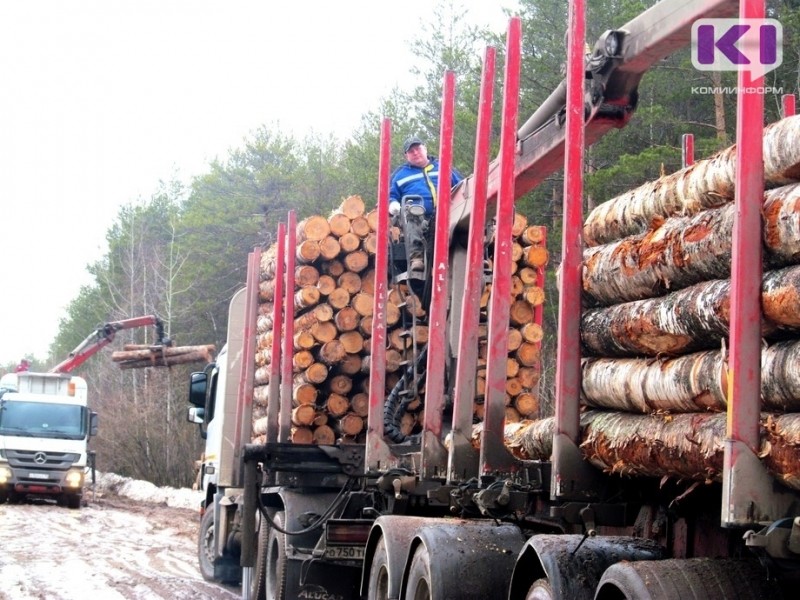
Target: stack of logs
<point>139,356</point>
<point>334,283</point>
<point>656,280</point>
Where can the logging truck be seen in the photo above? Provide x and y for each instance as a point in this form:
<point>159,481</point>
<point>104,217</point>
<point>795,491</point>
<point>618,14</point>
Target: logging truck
<point>400,462</point>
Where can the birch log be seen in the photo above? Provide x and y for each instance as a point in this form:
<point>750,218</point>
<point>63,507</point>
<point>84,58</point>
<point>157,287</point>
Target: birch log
<point>705,184</point>
<point>695,318</point>
<point>687,250</point>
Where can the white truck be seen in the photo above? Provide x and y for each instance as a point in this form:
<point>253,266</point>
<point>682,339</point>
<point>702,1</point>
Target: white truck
<point>45,426</point>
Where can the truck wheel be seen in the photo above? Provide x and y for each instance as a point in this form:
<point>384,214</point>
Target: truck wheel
<point>3,496</point>
<point>379,573</point>
<point>258,583</point>
<point>723,579</point>
<point>205,545</point>
<point>276,562</point>
<point>419,575</point>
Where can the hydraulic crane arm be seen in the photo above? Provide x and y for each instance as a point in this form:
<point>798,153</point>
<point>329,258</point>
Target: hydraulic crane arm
<point>104,335</point>
<point>613,71</point>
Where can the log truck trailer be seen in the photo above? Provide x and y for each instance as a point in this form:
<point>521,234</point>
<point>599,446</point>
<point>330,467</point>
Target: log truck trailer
<point>435,519</point>
<point>45,423</point>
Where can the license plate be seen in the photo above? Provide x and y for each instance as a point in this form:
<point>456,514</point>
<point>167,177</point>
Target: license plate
<point>38,476</point>
<point>344,552</point>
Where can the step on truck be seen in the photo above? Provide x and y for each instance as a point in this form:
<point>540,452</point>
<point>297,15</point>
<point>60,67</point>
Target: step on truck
<point>641,499</point>
<point>45,426</point>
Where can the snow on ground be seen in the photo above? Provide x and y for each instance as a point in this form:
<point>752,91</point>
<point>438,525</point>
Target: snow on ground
<point>144,491</point>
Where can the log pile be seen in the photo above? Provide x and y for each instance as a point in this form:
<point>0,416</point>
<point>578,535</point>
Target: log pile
<point>657,316</point>
<point>333,301</point>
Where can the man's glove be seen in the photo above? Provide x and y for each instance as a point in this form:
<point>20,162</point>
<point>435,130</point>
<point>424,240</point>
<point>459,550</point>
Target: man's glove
<point>394,208</point>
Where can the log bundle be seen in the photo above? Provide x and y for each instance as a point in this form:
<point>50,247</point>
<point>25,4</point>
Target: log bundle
<point>139,356</point>
<point>333,302</point>
<point>656,322</point>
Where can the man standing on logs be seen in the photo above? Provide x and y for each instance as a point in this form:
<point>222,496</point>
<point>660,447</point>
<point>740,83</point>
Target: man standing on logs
<point>416,181</point>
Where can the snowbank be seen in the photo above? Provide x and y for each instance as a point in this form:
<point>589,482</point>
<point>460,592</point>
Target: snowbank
<point>144,491</point>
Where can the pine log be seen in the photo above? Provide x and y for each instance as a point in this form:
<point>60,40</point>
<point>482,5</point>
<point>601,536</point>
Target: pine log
<point>363,304</point>
<point>304,393</point>
<point>316,373</point>
<point>691,319</point>
<point>158,360</point>
<point>532,333</point>
<point>319,314</point>
<point>514,339</point>
<point>302,435</point>
<point>324,331</point>
<point>326,284</point>
<point>313,228</point>
<point>350,424</point>
<point>528,275</point>
<point>261,395</point>
<point>535,256</point>
<point>360,227</point>
<point>352,341</point>
<point>303,415</point>
<point>303,340</point>
<point>339,224</point>
<point>356,261</point>
<point>306,297</point>
<point>350,281</point>
<point>533,295</point>
<point>341,384</point>
<point>528,354</point>
<point>324,436</point>
<point>705,184</point>
<point>349,242</point>
<point>334,267</point>
<point>370,243</point>
<point>307,251</point>
<point>302,360</point>
<point>352,206</point>
<point>360,404</point>
<point>527,404</point>
<point>532,235</point>
<point>331,353</point>
<point>781,450</point>
<point>372,219</point>
<point>346,319</point>
<point>306,275</point>
<point>351,363</point>
<point>339,298</point>
<point>336,405</point>
<point>519,224</point>
<point>329,248</point>
<point>529,376</point>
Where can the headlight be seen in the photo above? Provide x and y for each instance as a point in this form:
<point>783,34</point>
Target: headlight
<point>74,479</point>
<point>5,474</point>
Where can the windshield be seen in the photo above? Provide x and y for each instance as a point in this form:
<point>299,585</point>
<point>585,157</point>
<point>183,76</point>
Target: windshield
<point>42,419</point>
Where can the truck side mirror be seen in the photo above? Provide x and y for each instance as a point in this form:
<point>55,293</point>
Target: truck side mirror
<point>196,415</point>
<point>198,385</point>
<point>93,423</point>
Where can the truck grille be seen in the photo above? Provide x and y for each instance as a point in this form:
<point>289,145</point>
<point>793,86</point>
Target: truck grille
<point>36,459</point>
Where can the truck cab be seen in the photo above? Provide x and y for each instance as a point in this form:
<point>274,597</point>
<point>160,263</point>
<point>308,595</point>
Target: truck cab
<point>45,426</point>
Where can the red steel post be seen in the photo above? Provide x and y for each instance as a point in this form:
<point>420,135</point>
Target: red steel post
<point>376,451</point>
<point>493,455</point>
<point>687,149</point>
<point>788,105</point>
<point>285,413</point>
<point>568,356</point>
<point>462,462</point>
<point>277,329</point>
<point>433,458</point>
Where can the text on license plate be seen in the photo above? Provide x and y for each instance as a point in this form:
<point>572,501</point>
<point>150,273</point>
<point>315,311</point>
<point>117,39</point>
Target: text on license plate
<point>38,476</point>
<point>344,552</point>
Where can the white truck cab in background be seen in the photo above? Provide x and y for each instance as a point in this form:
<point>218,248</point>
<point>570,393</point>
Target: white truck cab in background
<point>45,425</point>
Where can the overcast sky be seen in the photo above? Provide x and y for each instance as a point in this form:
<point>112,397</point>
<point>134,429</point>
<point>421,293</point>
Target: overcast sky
<point>101,99</point>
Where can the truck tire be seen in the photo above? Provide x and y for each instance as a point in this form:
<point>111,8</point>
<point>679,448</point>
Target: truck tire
<point>419,576</point>
<point>276,561</point>
<point>205,545</point>
<point>721,579</point>
<point>378,585</point>
<point>258,587</point>
<point>73,501</point>
<point>3,496</point>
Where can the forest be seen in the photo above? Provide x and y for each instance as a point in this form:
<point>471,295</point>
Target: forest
<point>181,253</point>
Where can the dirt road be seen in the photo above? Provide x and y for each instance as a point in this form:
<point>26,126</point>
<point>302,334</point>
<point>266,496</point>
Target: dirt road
<point>113,548</point>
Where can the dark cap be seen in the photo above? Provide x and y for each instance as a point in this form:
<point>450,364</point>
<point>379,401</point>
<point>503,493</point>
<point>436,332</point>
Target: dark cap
<point>411,141</point>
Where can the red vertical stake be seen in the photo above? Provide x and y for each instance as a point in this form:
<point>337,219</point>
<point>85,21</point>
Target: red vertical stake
<point>493,456</point>
<point>433,459</point>
<point>788,105</point>
<point>687,149</point>
<point>462,464</point>
<point>744,375</point>
<point>277,330</point>
<point>568,361</point>
<point>285,418</point>
<point>376,450</point>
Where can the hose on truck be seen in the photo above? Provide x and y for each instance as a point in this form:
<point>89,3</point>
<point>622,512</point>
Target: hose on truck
<point>395,406</point>
<point>347,487</point>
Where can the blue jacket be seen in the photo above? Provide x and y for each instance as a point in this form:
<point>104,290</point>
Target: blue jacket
<point>409,180</point>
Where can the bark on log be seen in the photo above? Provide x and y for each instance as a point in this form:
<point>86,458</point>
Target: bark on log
<point>705,184</point>
<point>695,318</point>
<point>683,251</point>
